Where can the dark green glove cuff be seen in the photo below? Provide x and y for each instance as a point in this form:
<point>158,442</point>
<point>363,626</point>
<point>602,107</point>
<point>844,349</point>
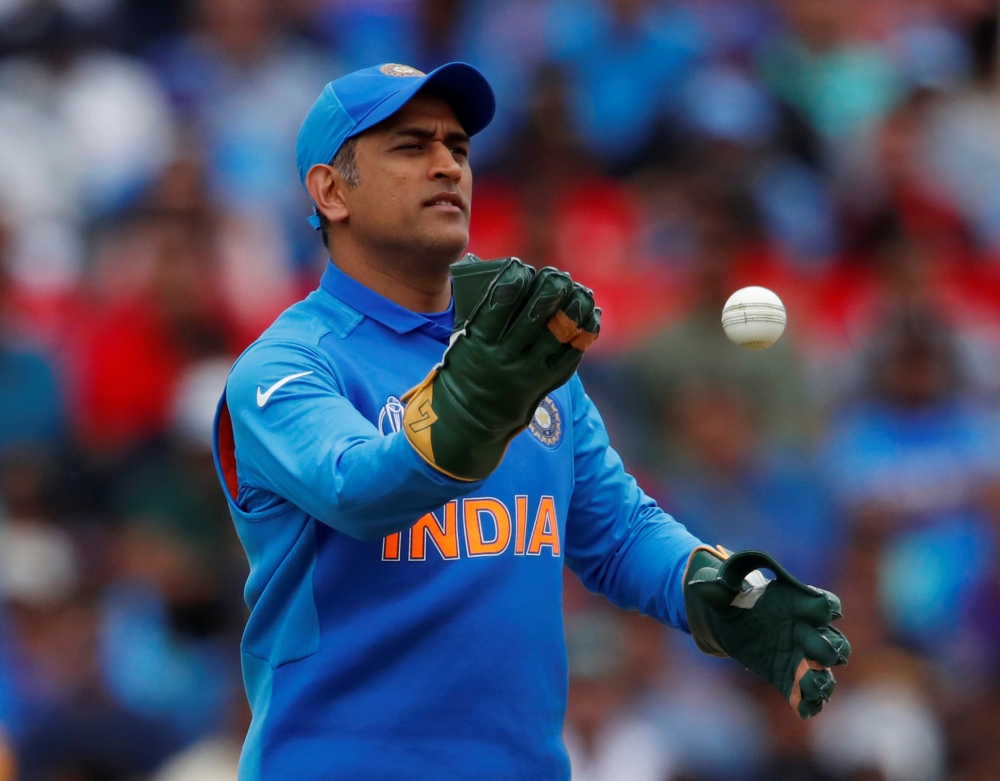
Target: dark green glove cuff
<point>768,626</point>
<point>703,567</point>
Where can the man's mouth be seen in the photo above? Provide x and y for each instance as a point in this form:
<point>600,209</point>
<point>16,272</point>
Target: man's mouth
<point>449,202</point>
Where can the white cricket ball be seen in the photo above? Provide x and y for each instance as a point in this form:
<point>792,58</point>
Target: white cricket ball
<point>754,318</point>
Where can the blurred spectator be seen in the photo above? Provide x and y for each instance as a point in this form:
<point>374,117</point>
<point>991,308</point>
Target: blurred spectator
<point>914,459</point>
<point>973,751</point>
<point>798,213</point>
<point>421,33</point>
<point>886,728</point>
<point>163,635</point>
<point>216,758</point>
<point>172,487</point>
<point>713,728</point>
<point>38,563</point>
<point>82,129</point>
<point>731,489</point>
<point>828,70</point>
<point>628,60</point>
<point>246,83</point>
<point>74,730</point>
<point>883,723</point>
<point>169,614</point>
<point>64,721</point>
<point>905,182</point>
<point>926,266</point>
<point>507,42</point>
<point>720,102</point>
<point>132,355</point>
<point>639,690</point>
<point>29,391</point>
<point>252,268</point>
<point>595,236</point>
<point>823,67</point>
<point>914,446</point>
<point>790,753</point>
<point>607,733</point>
<point>962,144</point>
<point>549,155</point>
<point>695,350</point>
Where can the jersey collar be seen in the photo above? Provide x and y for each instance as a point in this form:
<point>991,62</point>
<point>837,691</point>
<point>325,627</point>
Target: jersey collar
<point>378,307</point>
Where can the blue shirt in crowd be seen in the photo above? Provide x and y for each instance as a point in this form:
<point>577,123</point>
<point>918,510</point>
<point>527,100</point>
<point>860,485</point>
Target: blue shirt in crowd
<point>406,625</point>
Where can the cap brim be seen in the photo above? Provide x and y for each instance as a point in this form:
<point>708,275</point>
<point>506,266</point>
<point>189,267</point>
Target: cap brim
<point>465,88</point>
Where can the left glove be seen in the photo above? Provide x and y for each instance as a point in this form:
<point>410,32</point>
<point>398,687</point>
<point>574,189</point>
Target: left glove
<point>780,629</point>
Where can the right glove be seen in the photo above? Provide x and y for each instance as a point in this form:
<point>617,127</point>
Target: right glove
<point>518,336</point>
<point>780,629</point>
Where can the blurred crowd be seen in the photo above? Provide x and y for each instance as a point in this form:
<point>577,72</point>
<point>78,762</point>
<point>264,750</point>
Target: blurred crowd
<point>845,154</point>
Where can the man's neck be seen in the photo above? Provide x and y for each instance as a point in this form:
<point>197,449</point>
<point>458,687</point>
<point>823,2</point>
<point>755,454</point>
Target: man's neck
<point>402,284</point>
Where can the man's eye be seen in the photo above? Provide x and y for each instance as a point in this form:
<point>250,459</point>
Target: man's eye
<point>460,151</point>
<point>410,146</point>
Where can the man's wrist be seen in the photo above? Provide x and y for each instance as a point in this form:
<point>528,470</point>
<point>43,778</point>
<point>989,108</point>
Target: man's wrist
<point>707,561</point>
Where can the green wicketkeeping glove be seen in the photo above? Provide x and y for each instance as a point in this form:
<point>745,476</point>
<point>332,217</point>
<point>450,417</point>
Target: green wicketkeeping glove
<point>780,629</point>
<point>518,336</point>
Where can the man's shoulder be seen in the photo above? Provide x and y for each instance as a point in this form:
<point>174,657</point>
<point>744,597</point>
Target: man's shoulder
<point>309,320</point>
<point>290,345</point>
<point>302,326</point>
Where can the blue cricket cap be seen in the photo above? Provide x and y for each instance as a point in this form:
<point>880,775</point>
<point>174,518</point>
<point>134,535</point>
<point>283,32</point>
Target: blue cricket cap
<point>358,101</point>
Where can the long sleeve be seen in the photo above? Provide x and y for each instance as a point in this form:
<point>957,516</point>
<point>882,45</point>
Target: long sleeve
<point>298,437</point>
<point>619,542</point>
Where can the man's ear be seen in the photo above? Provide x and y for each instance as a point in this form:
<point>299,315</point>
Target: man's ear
<point>326,187</point>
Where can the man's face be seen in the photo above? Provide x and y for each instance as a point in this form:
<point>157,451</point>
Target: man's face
<point>415,188</point>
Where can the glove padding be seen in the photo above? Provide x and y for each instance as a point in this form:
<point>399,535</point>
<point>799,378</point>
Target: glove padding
<point>778,628</point>
<point>518,336</point>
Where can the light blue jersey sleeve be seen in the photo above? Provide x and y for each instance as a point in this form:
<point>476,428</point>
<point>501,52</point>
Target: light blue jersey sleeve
<point>618,540</point>
<point>298,437</point>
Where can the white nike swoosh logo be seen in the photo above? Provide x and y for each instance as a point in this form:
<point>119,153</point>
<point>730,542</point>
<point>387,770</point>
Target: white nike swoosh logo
<point>263,397</point>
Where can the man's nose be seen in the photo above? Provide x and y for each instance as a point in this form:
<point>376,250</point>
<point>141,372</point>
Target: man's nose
<point>443,164</point>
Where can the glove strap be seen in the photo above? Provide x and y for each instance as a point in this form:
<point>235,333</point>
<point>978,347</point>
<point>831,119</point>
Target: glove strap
<point>703,572</point>
<point>738,566</point>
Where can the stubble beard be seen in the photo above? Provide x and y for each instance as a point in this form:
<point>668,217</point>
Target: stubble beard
<point>423,255</point>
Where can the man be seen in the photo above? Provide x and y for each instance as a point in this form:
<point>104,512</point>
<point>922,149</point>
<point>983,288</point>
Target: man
<point>409,471</point>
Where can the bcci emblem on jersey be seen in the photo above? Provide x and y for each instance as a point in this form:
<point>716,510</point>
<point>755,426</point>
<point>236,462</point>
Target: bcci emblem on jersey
<point>390,419</point>
<point>546,426</point>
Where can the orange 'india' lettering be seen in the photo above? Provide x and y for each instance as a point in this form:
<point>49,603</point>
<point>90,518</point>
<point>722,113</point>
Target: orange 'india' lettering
<point>473,510</point>
<point>521,523</point>
<point>487,523</point>
<point>390,547</point>
<point>546,531</point>
<point>445,539</point>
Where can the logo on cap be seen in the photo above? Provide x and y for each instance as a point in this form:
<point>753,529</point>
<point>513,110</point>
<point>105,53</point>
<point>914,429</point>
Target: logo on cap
<point>394,69</point>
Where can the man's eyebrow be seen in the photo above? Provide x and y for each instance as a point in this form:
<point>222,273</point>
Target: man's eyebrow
<point>425,134</point>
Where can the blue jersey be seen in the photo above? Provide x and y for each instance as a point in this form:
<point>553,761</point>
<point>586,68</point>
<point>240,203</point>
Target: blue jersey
<point>405,625</point>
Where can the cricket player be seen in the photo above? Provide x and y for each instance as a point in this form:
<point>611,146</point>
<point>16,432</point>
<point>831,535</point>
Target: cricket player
<point>410,460</point>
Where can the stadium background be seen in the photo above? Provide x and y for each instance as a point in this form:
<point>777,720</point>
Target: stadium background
<point>845,154</point>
